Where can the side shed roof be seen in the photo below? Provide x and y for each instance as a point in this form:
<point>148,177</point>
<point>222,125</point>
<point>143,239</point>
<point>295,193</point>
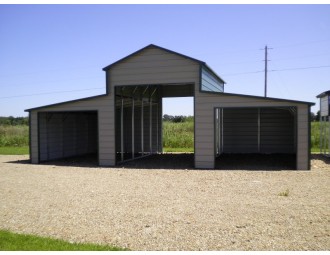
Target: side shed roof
<point>260,97</point>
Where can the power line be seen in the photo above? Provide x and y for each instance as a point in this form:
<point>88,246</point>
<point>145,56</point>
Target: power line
<point>49,93</point>
<point>299,44</point>
<point>299,68</point>
<point>278,70</point>
<point>234,74</point>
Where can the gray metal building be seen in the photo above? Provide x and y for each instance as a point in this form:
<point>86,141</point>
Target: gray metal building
<point>126,122</point>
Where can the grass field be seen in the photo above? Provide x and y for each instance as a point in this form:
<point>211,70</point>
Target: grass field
<point>18,242</point>
<point>10,150</point>
<point>14,136</point>
<point>177,137</point>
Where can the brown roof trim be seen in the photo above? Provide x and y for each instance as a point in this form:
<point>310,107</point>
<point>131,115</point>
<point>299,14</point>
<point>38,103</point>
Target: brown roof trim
<point>258,97</point>
<point>66,102</point>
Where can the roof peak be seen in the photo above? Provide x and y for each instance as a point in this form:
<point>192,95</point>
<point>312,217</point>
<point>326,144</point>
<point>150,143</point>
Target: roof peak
<point>154,46</point>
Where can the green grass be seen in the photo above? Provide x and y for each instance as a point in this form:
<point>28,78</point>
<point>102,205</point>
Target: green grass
<point>315,136</point>
<point>14,150</point>
<point>178,149</point>
<point>284,193</point>
<point>18,242</point>
<point>14,136</point>
<point>178,136</point>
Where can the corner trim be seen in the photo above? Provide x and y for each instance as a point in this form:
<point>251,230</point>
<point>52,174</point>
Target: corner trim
<point>309,139</point>
<point>30,132</point>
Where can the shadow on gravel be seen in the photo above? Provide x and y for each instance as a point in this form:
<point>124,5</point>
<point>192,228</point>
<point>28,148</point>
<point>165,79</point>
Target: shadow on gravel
<point>321,157</point>
<point>249,162</point>
<point>185,161</point>
<point>256,162</point>
<point>89,160</point>
<point>180,161</point>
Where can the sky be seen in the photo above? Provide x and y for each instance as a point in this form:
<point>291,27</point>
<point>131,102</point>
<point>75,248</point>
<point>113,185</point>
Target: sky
<point>55,53</point>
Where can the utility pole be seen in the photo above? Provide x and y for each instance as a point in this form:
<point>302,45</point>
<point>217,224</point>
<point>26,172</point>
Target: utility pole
<point>266,61</point>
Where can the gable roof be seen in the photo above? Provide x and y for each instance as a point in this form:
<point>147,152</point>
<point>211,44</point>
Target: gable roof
<point>167,50</point>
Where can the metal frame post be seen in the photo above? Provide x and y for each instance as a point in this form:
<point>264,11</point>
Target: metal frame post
<point>150,114</point>
<point>222,130</point>
<point>328,137</point>
<point>142,122</point>
<point>157,127</point>
<point>122,126</point>
<point>150,124</point>
<point>259,130</point>
<point>133,123</point>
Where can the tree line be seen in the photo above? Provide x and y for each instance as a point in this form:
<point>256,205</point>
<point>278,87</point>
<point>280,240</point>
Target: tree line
<point>177,119</point>
<point>14,121</point>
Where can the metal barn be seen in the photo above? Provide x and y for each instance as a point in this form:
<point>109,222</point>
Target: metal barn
<point>325,123</point>
<point>126,122</point>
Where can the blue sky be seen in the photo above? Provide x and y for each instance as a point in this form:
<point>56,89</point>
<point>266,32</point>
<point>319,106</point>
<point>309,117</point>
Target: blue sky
<point>55,53</point>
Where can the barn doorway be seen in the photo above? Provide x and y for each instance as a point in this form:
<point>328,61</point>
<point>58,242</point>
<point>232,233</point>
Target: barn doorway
<point>139,118</point>
<point>178,125</point>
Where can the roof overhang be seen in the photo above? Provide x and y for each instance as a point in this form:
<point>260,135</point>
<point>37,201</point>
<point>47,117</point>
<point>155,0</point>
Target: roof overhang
<point>325,93</point>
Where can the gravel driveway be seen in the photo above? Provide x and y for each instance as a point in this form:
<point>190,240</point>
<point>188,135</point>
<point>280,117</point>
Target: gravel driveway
<point>144,209</point>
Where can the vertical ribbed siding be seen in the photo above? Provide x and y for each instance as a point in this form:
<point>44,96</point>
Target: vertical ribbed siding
<point>66,134</point>
<point>240,130</point>
<point>277,131</point>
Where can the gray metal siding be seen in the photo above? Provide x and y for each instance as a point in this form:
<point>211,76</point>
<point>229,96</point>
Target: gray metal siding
<point>153,66</point>
<point>209,82</point>
<point>324,105</point>
<point>277,131</point>
<point>240,130</point>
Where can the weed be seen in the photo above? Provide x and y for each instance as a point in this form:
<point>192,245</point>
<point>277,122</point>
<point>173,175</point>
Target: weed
<point>284,193</point>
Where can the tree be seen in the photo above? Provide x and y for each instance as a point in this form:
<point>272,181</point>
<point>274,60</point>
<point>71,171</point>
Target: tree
<point>317,116</point>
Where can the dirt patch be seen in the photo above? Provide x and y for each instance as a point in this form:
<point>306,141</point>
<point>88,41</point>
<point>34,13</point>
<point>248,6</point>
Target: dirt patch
<point>160,209</point>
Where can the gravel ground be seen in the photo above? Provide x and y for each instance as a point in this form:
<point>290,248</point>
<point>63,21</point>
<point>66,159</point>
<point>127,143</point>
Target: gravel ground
<point>163,209</point>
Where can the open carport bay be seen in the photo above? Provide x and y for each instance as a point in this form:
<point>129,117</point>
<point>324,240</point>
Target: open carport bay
<point>67,134</point>
<point>265,130</point>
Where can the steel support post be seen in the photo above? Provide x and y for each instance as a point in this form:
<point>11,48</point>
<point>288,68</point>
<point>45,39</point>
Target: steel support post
<point>259,130</point>
<point>222,130</point>
<point>133,119</point>
<point>328,136</point>
<point>122,126</point>
<point>157,126</point>
<point>142,122</point>
<point>133,123</point>
<point>150,119</point>
<point>150,125</point>
<point>142,136</point>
